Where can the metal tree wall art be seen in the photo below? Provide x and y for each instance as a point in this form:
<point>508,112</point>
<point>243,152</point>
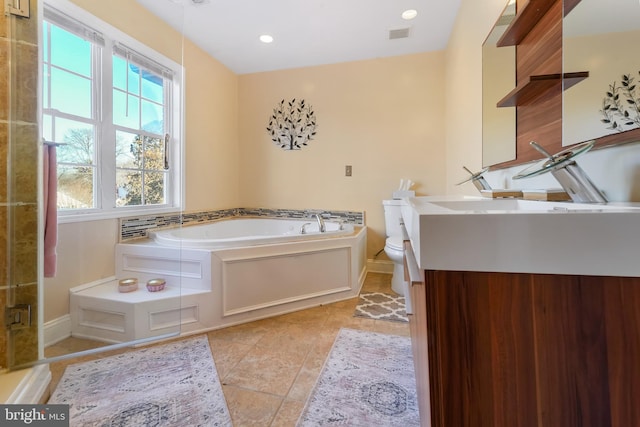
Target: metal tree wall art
<point>621,105</point>
<point>292,124</point>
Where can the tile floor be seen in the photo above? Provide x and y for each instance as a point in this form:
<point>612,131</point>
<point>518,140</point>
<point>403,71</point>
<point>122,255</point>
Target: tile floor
<point>268,367</point>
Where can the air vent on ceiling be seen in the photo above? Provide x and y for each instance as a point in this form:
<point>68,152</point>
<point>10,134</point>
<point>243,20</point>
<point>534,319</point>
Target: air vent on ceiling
<point>400,33</point>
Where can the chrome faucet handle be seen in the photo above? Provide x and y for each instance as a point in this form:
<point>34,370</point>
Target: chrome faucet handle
<point>541,150</point>
<point>302,229</point>
<point>474,174</point>
<point>477,179</point>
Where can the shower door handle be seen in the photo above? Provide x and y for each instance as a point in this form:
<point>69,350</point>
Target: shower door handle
<point>18,317</point>
<point>19,8</point>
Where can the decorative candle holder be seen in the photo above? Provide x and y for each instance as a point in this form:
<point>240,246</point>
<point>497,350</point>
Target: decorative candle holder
<point>156,285</point>
<point>127,285</point>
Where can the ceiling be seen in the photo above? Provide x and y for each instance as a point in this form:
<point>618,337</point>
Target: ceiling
<point>306,32</point>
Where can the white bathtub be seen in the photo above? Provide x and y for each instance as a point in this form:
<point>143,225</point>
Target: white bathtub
<point>238,232</point>
<point>215,280</point>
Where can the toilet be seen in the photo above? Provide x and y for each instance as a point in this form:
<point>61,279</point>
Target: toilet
<point>394,244</point>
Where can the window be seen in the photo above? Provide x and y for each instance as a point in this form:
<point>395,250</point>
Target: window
<point>110,105</point>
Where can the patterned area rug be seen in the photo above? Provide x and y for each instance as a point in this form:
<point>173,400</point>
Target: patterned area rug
<point>380,306</point>
<point>368,380</point>
<point>175,384</point>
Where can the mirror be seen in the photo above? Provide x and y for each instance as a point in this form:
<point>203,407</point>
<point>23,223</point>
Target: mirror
<point>601,38</point>
<point>129,67</point>
<point>498,79</point>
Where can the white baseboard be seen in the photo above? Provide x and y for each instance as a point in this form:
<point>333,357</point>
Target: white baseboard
<point>26,386</point>
<point>379,266</point>
<point>57,329</point>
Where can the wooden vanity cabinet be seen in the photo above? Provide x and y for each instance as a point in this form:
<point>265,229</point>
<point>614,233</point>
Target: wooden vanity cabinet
<point>418,330</point>
<point>512,349</point>
<point>521,349</point>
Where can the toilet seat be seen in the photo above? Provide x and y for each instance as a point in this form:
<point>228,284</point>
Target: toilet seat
<point>395,242</point>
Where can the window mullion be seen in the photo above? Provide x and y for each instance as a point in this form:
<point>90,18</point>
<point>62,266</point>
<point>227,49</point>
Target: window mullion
<point>48,65</point>
<point>107,134</point>
<point>170,174</point>
<point>137,131</point>
<point>174,118</point>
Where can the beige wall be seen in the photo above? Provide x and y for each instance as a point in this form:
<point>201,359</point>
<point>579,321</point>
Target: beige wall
<point>85,254</point>
<point>385,117</point>
<point>389,118</point>
<point>415,117</point>
<point>211,120</point>
<point>498,123</point>
<point>86,249</point>
<point>464,90</point>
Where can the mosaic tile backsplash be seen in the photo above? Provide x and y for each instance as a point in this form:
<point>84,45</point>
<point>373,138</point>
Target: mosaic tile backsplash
<point>137,227</point>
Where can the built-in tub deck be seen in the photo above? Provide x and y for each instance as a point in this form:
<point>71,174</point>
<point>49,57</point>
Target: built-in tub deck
<point>108,291</point>
<point>210,288</point>
<point>99,311</point>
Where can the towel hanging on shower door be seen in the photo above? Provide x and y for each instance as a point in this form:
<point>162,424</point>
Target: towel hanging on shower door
<point>50,206</point>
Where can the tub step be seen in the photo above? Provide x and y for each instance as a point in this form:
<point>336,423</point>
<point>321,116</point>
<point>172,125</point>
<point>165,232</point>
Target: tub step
<point>101,313</point>
<point>109,291</point>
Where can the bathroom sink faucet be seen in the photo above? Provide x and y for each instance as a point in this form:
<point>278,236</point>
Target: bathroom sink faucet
<point>321,225</point>
<point>477,179</point>
<point>571,177</point>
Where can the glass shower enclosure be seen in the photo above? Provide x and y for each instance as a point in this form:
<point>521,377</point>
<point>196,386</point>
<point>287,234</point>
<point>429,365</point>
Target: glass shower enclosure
<point>51,106</point>
<point>19,154</point>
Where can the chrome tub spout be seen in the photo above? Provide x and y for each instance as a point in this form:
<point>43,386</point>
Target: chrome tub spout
<point>321,225</point>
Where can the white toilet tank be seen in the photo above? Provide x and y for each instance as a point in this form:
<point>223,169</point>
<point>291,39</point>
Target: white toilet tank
<point>392,217</point>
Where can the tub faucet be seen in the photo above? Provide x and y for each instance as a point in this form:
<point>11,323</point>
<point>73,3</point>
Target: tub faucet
<point>321,225</point>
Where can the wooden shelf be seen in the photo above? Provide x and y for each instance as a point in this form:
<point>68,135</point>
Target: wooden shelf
<point>572,79</point>
<point>526,18</point>
<point>536,86</point>
<point>625,137</point>
<point>569,5</point>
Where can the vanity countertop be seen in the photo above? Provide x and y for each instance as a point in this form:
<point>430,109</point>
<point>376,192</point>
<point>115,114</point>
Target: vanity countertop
<point>524,236</point>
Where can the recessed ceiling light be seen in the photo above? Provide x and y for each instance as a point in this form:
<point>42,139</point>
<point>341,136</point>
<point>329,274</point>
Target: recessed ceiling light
<point>266,38</point>
<point>409,14</point>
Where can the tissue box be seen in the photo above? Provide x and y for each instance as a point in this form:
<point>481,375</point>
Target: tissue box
<point>401,194</point>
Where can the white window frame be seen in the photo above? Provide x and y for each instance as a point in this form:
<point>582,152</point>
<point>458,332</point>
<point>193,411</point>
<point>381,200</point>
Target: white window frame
<point>106,172</point>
